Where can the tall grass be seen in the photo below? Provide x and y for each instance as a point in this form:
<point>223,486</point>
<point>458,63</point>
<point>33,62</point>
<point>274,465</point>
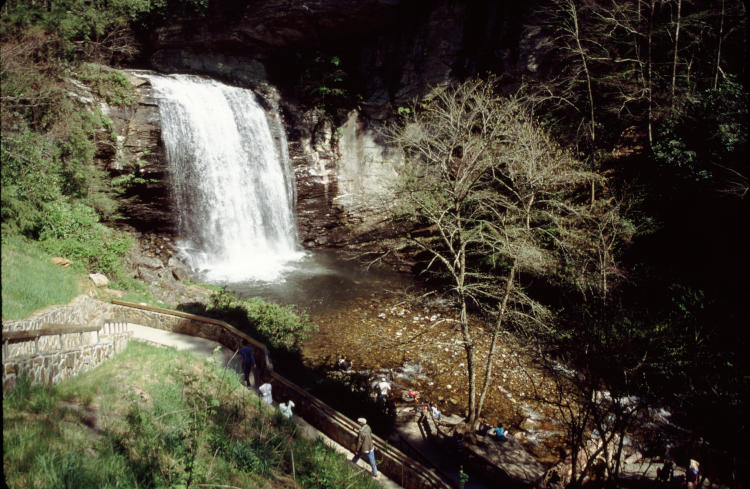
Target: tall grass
<point>154,417</point>
<point>31,282</point>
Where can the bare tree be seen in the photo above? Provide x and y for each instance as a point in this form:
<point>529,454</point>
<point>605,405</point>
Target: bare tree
<point>502,199</point>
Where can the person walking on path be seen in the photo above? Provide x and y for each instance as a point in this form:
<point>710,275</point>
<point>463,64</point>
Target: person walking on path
<point>365,445</point>
<point>248,363</point>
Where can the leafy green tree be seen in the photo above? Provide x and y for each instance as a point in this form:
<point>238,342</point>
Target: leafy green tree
<point>706,142</point>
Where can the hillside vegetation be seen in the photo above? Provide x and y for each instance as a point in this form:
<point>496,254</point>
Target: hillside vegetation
<point>153,417</point>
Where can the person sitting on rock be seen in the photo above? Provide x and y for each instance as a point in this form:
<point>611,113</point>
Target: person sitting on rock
<point>498,432</point>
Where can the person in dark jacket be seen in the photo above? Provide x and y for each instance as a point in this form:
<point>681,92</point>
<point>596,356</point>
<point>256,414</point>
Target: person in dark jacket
<point>248,362</point>
<point>365,445</point>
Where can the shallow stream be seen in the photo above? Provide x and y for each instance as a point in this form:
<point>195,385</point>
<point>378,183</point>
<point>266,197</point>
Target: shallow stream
<point>387,323</point>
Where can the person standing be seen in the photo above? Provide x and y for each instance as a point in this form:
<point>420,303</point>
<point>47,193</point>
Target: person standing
<point>383,388</point>
<point>248,362</point>
<point>365,445</point>
<point>691,474</point>
<point>265,392</point>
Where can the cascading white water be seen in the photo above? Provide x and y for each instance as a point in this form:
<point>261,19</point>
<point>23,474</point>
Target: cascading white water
<point>233,187</point>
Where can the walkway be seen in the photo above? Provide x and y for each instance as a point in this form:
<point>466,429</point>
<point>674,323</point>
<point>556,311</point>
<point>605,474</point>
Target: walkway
<point>205,348</point>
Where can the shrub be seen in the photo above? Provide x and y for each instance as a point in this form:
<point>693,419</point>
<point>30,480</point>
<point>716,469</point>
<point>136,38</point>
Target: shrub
<point>280,326</point>
<point>72,230</point>
<point>108,84</point>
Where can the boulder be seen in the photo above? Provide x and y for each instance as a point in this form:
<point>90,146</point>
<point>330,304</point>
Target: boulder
<point>174,261</point>
<point>99,280</point>
<point>147,275</point>
<point>149,262</point>
<point>179,273</point>
<point>63,262</point>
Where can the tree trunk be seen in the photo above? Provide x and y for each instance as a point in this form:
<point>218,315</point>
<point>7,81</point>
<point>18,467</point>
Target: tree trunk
<point>460,254</point>
<point>718,49</point>
<point>493,344</point>
<point>469,348</point>
<point>574,18</point>
<point>650,74</point>
<point>676,48</point>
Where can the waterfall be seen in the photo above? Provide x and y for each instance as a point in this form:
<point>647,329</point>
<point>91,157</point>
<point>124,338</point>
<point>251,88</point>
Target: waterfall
<point>232,186</point>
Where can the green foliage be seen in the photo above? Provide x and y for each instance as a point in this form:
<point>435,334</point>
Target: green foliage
<point>110,85</point>
<point>42,169</point>
<point>403,111</point>
<point>31,282</point>
<point>323,82</point>
<point>73,231</point>
<point>254,455</point>
<point>707,138</point>
<point>28,182</point>
<point>84,29</point>
<point>281,327</point>
<point>52,190</point>
<point>66,471</point>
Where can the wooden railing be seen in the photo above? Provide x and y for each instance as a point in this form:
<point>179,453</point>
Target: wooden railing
<point>410,473</point>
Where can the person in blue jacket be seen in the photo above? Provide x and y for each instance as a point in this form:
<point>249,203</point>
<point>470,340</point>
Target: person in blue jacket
<point>248,362</point>
<point>498,432</point>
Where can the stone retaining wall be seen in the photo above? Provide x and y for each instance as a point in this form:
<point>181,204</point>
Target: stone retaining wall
<point>52,359</point>
<point>82,311</point>
<point>60,364</point>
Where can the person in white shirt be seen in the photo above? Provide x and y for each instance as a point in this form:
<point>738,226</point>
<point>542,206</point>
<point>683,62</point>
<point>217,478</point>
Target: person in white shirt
<point>383,388</point>
<point>286,409</point>
<point>265,392</point>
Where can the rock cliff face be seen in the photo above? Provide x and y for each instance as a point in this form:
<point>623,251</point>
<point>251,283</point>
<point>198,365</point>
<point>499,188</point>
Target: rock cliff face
<point>345,180</point>
<point>139,153</point>
<point>394,51</point>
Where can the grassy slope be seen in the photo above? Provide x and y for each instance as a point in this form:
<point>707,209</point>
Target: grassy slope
<point>154,417</point>
<point>31,282</point>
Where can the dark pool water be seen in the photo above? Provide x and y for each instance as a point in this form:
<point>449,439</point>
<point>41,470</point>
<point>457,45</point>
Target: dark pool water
<point>321,281</point>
